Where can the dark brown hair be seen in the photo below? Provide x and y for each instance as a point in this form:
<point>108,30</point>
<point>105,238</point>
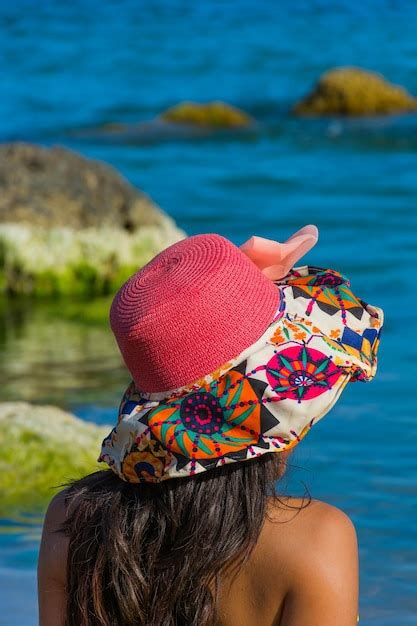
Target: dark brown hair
<point>151,555</point>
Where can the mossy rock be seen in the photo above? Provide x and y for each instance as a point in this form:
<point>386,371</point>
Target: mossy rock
<point>62,261</point>
<point>353,91</point>
<point>42,447</point>
<point>214,114</point>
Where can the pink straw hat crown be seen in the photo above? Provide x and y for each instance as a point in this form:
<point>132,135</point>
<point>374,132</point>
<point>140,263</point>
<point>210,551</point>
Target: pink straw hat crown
<point>194,306</point>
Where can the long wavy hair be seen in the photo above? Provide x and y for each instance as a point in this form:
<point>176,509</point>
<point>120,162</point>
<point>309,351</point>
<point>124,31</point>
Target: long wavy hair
<point>152,554</point>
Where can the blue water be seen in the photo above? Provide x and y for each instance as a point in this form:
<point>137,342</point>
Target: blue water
<point>70,67</point>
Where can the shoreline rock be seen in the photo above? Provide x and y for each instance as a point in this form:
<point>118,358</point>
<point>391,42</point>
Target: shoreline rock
<point>353,91</point>
<point>64,262</point>
<point>71,225</point>
<point>42,447</point>
<point>58,187</point>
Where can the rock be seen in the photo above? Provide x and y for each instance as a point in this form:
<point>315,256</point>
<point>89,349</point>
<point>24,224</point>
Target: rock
<point>187,120</point>
<point>354,91</point>
<point>57,187</point>
<point>215,114</point>
<point>72,226</point>
<point>61,261</point>
<point>40,448</point>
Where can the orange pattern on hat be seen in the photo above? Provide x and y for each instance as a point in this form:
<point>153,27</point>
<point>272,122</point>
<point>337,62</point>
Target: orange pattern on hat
<point>219,418</point>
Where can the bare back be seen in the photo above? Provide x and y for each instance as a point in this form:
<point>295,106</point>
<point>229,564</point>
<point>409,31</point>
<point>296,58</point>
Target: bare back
<point>302,572</point>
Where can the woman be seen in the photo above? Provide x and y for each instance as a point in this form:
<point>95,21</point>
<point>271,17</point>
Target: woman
<point>186,527</point>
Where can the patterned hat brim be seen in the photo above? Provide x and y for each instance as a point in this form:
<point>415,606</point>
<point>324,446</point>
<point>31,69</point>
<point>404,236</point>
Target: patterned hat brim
<point>264,400</point>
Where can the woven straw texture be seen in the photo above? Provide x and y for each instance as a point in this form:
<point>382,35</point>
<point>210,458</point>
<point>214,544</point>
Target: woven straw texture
<point>194,306</point>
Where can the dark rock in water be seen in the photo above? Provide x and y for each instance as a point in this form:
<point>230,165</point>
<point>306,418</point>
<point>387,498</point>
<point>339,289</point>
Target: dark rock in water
<point>353,91</point>
<point>57,187</point>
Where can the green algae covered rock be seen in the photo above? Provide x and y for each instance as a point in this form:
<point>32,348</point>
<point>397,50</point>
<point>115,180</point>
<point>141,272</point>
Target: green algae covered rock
<point>353,91</point>
<point>63,261</point>
<point>41,447</point>
<point>214,114</point>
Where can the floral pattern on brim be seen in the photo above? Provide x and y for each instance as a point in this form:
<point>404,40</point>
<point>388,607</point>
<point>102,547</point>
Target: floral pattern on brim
<point>301,373</point>
<point>146,462</point>
<point>219,418</point>
<point>292,329</point>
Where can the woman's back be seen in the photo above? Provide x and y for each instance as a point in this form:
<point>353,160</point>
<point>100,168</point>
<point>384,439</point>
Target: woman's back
<point>303,570</point>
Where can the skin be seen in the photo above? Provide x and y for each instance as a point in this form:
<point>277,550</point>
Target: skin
<point>302,572</point>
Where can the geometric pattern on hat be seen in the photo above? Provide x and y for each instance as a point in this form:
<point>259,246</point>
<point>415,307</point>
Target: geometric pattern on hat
<point>266,399</point>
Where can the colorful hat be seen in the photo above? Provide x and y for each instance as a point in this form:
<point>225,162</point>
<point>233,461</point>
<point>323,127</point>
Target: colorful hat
<point>233,352</point>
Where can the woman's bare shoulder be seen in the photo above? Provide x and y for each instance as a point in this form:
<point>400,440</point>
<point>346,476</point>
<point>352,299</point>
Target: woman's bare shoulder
<point>302,511</point>
<point>307,525</point>
<point>57,506</point>
<point>311,548</point>
<point>54,544</point>
<point>52,561</point>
